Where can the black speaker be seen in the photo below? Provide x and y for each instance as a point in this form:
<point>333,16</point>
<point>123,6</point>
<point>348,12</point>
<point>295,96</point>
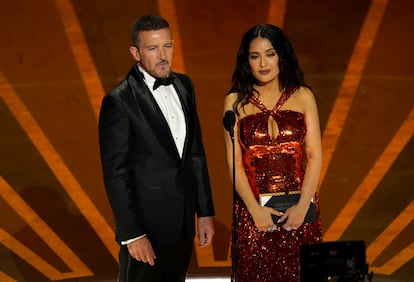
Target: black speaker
<point>342,261</point>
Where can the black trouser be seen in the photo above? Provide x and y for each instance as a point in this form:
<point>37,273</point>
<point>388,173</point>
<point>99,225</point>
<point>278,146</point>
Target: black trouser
<point>171,264</point>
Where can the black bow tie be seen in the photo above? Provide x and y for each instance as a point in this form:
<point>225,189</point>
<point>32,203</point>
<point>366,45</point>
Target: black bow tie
<point>163,81</point>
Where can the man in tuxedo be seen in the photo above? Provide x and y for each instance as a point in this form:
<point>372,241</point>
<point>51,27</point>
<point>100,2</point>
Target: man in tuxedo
<point>153,161</point>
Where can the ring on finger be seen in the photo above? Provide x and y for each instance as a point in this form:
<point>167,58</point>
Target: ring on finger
<point>271,228</point>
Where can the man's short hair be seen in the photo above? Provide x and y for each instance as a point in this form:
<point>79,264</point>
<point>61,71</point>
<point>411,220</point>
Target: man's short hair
<point>145,23</point>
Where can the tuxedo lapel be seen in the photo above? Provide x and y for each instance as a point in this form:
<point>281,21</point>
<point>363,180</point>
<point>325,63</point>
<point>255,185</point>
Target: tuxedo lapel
<point>142,98</point>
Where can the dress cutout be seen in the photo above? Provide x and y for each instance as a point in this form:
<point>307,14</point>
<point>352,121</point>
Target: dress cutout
<point>271,165</point>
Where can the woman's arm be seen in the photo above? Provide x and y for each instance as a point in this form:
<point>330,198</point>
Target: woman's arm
<point>261,215</point>
<point>313,150</point>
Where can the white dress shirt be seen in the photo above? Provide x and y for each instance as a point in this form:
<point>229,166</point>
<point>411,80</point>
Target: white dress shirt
<point>169,103</point>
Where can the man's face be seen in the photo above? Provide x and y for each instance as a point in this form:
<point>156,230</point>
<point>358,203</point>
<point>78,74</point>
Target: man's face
<point>154,51</point>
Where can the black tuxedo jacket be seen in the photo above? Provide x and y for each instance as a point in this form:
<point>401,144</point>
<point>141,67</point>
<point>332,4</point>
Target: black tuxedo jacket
<point>150,188</point>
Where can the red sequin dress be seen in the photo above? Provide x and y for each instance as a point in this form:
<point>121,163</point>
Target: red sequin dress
<point>271,165</point>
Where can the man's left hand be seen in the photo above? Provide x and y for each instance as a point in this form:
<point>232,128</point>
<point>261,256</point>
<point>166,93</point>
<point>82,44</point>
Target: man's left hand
<point>205,230</point>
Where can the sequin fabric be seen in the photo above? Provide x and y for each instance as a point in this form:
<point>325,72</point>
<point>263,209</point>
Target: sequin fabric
<point>271,165</point>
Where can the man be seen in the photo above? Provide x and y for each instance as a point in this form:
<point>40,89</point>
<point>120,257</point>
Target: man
<point>153,161</point>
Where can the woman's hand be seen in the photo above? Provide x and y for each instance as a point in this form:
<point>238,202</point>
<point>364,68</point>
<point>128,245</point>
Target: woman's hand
<point>293,217</point>
<point>262,217</point>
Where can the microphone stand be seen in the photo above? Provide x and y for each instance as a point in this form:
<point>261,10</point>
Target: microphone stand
<point>229,120</point>
<point>233,243</point>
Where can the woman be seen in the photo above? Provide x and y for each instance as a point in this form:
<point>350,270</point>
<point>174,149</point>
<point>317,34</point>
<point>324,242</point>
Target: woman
<point>277,133</point>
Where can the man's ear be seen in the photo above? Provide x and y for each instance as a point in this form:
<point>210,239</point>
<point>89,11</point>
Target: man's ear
<point>135,53</point>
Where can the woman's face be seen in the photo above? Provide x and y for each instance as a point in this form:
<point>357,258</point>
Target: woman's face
<point>263,60</point>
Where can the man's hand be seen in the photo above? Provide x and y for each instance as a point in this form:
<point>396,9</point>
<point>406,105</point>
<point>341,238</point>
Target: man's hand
<point>205,230</point>
<point>141,250</point>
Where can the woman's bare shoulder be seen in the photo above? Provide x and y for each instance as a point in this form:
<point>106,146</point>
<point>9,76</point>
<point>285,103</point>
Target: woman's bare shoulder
<point>229,100</point>
<point>306,95</point>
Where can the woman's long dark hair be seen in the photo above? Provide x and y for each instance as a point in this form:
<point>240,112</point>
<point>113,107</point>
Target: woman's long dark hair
<point>290,76</point>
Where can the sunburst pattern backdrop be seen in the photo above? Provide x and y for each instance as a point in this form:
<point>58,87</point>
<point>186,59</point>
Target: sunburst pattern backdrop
<point>59,57</point>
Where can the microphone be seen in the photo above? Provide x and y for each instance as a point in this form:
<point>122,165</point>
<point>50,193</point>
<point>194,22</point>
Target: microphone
<point>229,120</point>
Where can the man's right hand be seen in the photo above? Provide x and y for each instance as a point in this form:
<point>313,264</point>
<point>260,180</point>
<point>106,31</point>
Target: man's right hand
<point>141,250</point>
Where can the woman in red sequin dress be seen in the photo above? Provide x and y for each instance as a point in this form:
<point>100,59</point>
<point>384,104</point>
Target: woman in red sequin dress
<point>277,149</point>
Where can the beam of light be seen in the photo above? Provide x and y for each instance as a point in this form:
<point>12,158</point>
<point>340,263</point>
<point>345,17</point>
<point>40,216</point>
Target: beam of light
<point>58,166</point>
<point>351,81</point>
<point>79,269</point>
<point>277,11</point>
<point>373,178</point>
<point>387,237</point>
<point>82,55</point>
